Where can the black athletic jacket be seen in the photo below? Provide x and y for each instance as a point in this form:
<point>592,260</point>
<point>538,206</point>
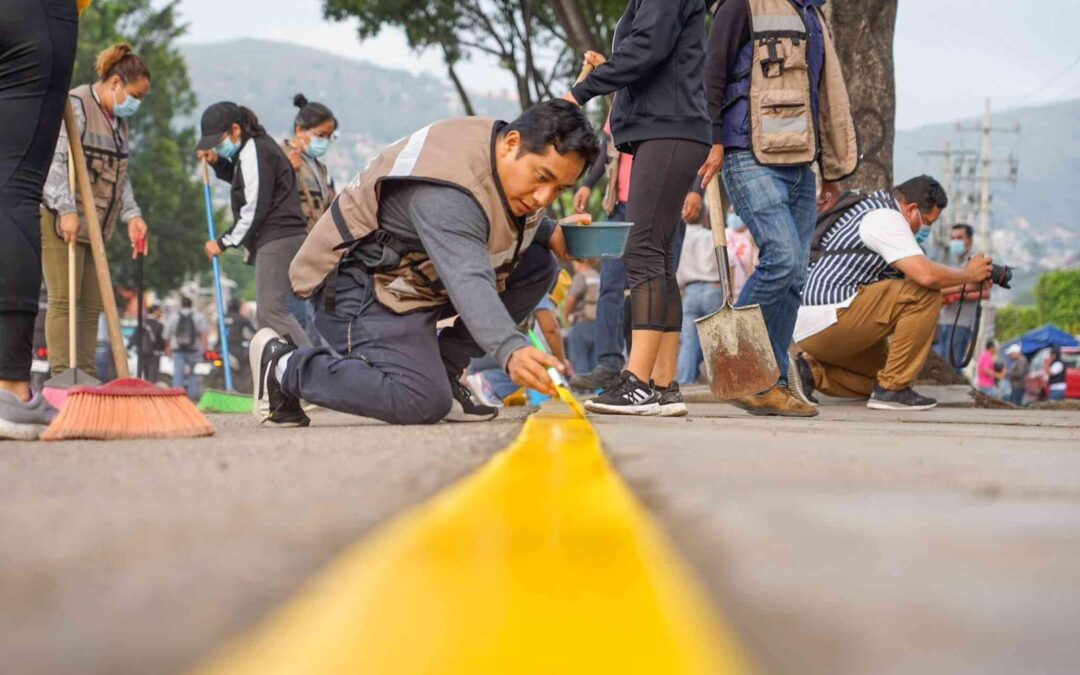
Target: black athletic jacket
<point>658,68</point>
<point>265,201</point>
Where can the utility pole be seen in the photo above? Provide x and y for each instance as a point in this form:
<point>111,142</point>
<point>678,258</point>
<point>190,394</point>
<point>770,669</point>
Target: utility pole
<point>983,240</point>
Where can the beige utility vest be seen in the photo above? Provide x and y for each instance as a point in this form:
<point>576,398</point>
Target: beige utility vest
<point>106,149</point>
<point>455,152</point>
<point>316,192</point>
<point>782,130</point>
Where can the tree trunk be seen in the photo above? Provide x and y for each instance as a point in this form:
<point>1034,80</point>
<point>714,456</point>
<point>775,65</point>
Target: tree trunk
<point>462,94</point>
<point>863,33</point>
<point>571,16</point>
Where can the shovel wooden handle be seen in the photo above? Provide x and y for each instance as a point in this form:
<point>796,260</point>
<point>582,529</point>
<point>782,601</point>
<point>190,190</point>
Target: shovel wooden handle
<point>585,70</point>
<point>97,244</point>
<point>719,235</point>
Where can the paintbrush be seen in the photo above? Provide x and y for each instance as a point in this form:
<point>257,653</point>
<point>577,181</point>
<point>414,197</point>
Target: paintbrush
<point>561,385</point>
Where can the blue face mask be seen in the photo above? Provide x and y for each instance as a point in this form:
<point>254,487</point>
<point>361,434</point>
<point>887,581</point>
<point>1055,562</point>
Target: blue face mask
<point>734,222</point>
<point>227,148</point>
<point>318,146</point>
<point>957,248</point>
<point>923,234</point>
<point>126,108</point>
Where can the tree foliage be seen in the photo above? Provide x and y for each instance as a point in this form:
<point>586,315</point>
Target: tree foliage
<point>537,43</point>
<point>162,159</point>
<point>1012,321</point>
<point>1058,299</point>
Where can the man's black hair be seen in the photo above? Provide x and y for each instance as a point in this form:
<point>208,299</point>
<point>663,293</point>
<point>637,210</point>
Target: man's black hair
<point>924,191</point>
<point>990,343</point>
<point>559,123</point>
<point>968,230</point>
<point>234,305</point>
<point>185,302</point>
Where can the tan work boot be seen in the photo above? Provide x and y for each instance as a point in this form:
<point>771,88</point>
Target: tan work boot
<point>776,400</point>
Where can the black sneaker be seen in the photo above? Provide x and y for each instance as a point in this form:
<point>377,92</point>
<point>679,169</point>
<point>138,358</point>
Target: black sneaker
<point>801,380</point>
<point>466,408</point>
<point>271,403</point>
<point>671,400</point>
<point>630,397</point>
<point>597,380</point>
<point>905,399</point>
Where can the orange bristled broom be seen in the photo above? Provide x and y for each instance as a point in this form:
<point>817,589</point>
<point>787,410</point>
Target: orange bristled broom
<point>125,409</point>
<point>128,407</point>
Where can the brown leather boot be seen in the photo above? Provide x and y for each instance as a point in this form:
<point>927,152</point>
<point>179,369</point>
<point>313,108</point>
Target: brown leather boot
<point>776,400</point>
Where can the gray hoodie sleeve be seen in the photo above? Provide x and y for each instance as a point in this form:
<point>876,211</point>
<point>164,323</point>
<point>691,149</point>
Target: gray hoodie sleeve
<point>453,231</point>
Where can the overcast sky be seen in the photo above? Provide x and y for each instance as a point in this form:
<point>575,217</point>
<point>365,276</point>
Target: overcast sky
<point>950,54</point>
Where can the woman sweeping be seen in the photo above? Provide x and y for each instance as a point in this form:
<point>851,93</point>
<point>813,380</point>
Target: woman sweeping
<point>101,113</point>
<point>660,116</point>
<point>314,129</point>
<point>267,220</point>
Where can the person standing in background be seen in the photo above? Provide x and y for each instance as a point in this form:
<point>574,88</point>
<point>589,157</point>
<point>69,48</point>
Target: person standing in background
<point>101,113</point>
<point>957,319</point>
<point>778,103</point>
<point>153,342</point>
<point>1056,375</point>
<point>742,251</point>
<point>37,38</point>
<point>1016,368</point>
<point>267,218</point>
<point>698,276</point>
<point>581,303</point>
<point>658,66</point>
<point>186,339</point>
<point>610,337</point>
<point>989,372</point>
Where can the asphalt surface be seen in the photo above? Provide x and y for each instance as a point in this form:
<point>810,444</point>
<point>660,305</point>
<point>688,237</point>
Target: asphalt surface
<point>857,542</point>
<point>141,557</point>
<point>869,542</point>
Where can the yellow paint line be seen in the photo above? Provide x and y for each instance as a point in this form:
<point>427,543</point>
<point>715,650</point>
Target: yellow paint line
<point>542,561</point>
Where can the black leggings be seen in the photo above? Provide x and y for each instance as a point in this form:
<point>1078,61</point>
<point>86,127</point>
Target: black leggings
<point>664,170</point>
<point>37,53</point>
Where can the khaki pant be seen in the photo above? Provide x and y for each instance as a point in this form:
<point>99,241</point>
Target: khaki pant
<point>848,356</point>
<point>54,265</point>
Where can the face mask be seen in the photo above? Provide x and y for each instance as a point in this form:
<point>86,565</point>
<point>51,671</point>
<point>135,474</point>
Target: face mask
<point>227,148</point>
<point>735,222</point>
<point>924,230</point>
<point>957,248</point>
<point>318,146</point>
<point>126,108</point>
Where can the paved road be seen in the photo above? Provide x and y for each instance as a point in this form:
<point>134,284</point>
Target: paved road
<point>138,557</point>
<point>859,542</point>
<point>865,542</point>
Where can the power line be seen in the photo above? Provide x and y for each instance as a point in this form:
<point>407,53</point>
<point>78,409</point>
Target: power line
<point>1045,85</point>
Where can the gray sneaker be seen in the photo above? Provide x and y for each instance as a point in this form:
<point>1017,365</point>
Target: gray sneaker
<point>24,421</point>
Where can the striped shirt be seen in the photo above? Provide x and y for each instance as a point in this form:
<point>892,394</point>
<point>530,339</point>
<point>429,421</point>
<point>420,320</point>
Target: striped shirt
<point>858,251</point>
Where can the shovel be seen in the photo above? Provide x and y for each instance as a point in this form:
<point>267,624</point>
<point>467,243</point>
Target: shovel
<point>739,359</point>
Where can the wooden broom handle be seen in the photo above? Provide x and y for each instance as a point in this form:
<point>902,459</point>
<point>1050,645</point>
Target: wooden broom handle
<point>97,244</point>
<point>73,293</point>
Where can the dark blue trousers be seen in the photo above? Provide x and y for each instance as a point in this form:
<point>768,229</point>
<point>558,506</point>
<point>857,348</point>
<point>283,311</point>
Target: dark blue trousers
<point>395,367</point>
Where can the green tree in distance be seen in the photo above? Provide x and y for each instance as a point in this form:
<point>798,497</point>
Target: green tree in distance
<point>163,160</point>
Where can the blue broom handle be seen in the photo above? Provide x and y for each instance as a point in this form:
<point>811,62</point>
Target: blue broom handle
<point>222,330</point>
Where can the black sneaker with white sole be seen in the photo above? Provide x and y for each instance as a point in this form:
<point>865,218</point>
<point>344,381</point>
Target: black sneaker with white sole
<point>598,379</point>
<point>630,397</point>
<point>465,407</point>
<point>803,377</point>
<point>904,399</point>
<point>271,403</point>
<point>671,400</point>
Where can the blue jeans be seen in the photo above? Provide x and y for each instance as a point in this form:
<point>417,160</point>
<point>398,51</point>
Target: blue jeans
<point>610,339</point>
<point>945,336</point>
<point>182,362</point>
<point>779,206</point>
<point>699,299</point>
<point>581,346</point>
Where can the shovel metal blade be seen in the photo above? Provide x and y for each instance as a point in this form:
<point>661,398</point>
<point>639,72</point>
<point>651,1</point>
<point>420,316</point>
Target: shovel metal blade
<point>739,359</point>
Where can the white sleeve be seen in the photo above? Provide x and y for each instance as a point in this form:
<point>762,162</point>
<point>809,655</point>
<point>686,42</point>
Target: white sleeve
<point>248,165</point>
<point>885,232</point>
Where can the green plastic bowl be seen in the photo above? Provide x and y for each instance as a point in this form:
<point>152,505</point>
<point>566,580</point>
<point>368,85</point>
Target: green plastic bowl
<point>599,240</point>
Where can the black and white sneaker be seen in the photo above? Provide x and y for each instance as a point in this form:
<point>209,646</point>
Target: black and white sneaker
<point>671,400</point>
<point>466,408</point>
<point>630,397</point>
<point>598,379</point>
<point>271,403</point>
<point>904,399</point>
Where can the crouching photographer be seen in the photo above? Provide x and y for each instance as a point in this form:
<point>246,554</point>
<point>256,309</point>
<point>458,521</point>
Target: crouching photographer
<point>872,297</point>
